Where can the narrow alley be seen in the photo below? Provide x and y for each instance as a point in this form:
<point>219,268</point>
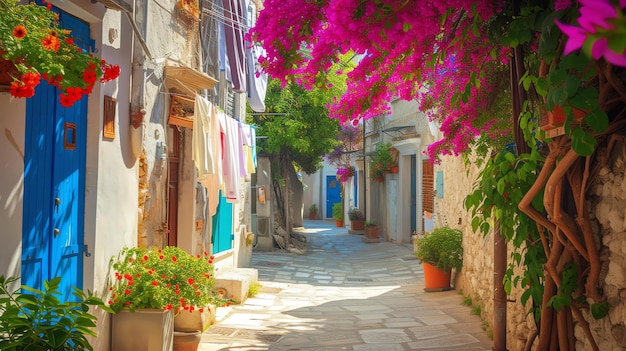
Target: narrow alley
<point>345,295</point>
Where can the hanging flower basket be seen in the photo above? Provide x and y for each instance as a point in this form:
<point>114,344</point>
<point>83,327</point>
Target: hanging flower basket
<point>31,39</point>
<point>345,173</point>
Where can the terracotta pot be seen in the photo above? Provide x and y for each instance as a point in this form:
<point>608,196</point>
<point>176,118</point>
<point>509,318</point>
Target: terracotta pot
<point>553,119</point>
<point>187,340</point>
<point>339,223</point>
<point>312,215</point>
<point>371,232</point>
<point>395,169</point>
<point>7,72</point>
<point>379,179</point>
<point>357,225</point>
<point>435,279</point>
<point>142,330</point>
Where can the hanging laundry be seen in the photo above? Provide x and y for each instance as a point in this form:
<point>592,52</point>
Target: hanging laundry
<point>235,50</point>
<point>232,147</point>
<point>213,181</point>
<point>257,79</point>
<point>248,143</point>
<point>201,152</point>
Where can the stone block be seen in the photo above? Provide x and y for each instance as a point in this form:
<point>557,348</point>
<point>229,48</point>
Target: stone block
<point>235,283</point>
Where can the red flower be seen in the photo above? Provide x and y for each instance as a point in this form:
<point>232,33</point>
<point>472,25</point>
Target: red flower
<point>127,292</point>
<point>145,258</point>
<point>190,281</point>
<point>197,293</point>
<point>174,258</point>
<point>69,41</point>
<point>177,292</point>
<point>127,303</point>
<point>128,276</point>
<point>51,43</point>
<point>130,260</point>
<point>65,100</point>
<point>19,31</point>
<point>155,283</point>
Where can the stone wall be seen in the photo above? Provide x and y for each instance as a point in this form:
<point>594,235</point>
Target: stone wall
<point>608,203</point>
<point>476,277</point>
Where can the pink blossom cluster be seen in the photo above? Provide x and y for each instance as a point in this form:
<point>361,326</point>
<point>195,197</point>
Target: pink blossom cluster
<point>598,21</point>
<point>396,43</point>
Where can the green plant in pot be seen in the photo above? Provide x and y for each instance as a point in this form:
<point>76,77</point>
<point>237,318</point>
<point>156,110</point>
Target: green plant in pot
<point>338,213</point>
<point>357,220</point>
<point>32,319</point>
<point>313,211</point>
<point>442,249</point>
<point>371,230</point>
<point>168,278</point>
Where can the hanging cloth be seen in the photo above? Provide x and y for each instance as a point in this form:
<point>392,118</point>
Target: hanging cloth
<point>233,30</point>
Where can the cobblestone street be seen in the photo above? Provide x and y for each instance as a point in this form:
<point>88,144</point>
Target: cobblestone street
<point>345,295</point>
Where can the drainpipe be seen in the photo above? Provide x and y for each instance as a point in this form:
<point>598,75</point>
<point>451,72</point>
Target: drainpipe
<point>499,295</point>
<point>137,101</point>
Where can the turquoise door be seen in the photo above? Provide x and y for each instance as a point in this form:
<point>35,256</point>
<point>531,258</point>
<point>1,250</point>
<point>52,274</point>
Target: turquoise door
<point>222,229</point>
<point>333,194</point>
<point>54,183</point>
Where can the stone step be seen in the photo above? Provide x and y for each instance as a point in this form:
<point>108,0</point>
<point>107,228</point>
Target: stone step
<point>234,283</point>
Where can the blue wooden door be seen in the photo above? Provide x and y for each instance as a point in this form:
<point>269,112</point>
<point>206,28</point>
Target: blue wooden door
<point>54,183</point>
<point>333,194</point>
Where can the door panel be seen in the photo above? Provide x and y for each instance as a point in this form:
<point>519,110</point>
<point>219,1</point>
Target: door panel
<point>54,183</point>
<point>333,194</point>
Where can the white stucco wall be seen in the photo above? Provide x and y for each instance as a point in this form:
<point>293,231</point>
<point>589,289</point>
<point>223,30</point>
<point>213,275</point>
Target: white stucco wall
<point>12,124</point>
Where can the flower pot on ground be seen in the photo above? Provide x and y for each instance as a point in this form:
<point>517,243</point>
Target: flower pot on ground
<point>371,230</point>
<point>357,220</point>
<point>443,249</point>
<point>436,279</point>
<point>313,212</point>
<point>338,213</point>
<point>142,330</point>
<point>144,283</point>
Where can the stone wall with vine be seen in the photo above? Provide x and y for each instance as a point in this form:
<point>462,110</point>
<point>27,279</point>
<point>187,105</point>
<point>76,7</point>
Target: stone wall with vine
<point>608,204</point>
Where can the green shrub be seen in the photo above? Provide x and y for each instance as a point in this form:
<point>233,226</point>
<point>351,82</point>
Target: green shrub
<point>442,247</point>
<point>338,211</point>
<point>34,320</point>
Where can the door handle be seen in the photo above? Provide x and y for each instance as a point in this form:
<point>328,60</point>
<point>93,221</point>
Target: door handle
<point>57,202</point>
<point>56,232</point>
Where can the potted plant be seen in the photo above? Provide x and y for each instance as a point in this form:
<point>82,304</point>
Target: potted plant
<point>371,230</point>
<point>313,212</point>
<point>32,319</point>
<point>338,214</point>
<point>357,220</point>
<point>158,283</point>
<point>382,161</point>
<point>440,250</point>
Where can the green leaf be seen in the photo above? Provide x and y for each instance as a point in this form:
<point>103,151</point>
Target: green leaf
<point>583,143</point>
<point>571,86</point>
<point>406,27</point>
<point>507,285</point>
<point>597,120</point>
<point>541,85</point>
<point>585,99</point>
<point>556,97</point>
<point>600,310</point>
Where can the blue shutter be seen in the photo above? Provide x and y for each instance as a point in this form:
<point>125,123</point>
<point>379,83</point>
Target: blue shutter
<point>439,183</point>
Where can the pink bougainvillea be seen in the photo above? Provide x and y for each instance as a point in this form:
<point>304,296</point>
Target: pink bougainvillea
<point>397,44</point>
